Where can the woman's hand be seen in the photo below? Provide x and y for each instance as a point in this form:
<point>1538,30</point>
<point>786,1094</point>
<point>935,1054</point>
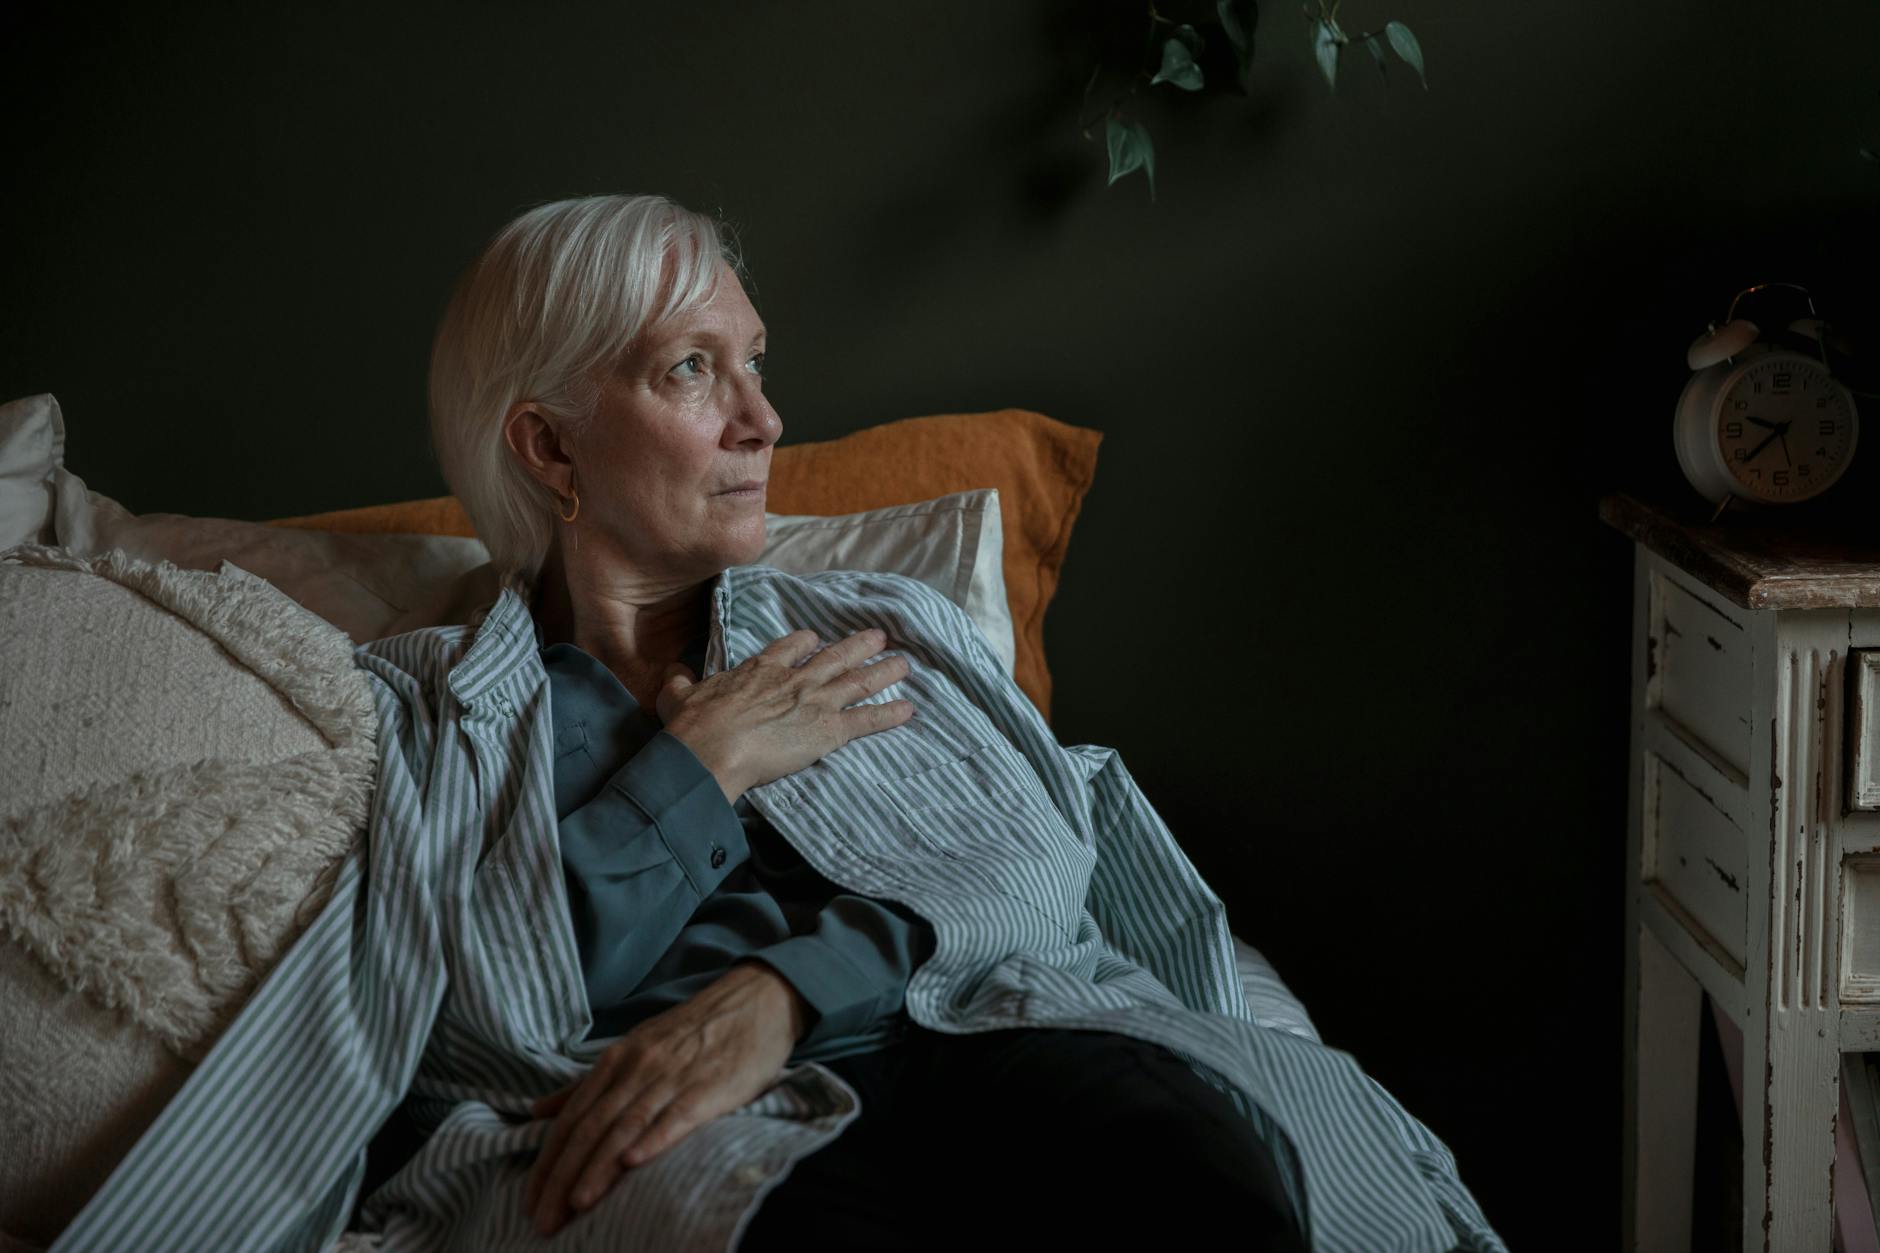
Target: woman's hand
<point>775,713</point>
<point>704,1057</point>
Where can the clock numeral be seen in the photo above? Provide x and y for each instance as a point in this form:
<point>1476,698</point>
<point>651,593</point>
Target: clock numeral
<point>1755,472</point>
<point>1784,380</point>
<point>1742,454</point>
<point>1756,387</point>
<point>1780,478</point>
<point>1733,430</point>
<point>1802,469</point>
<point>1821,403</point>
<point>1824,426</point>
<point>1741,404</point>
<point>1821,452</point>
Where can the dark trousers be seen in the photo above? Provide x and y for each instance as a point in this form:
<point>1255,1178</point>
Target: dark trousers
<point>1030,1137</point>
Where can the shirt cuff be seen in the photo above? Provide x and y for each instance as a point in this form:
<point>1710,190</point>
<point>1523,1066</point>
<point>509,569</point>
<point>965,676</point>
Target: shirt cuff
<point>842,1000</point>
<point>667,782</point>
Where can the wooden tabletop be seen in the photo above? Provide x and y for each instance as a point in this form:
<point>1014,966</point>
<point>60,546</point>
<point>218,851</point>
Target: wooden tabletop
<point>1760,559</point>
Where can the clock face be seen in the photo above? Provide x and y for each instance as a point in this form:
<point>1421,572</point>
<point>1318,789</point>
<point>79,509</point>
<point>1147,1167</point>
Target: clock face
<point>1785,428</point>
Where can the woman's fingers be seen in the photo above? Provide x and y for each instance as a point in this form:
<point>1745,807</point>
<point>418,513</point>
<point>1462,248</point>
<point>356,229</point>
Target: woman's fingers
<point>674,1124</point>
<point>865,719</point>
<point>792,648</point>
<point>877,675</point>
<point>625,1113</point>
<point>845,662</point>
<point>844,656</point>
<point>576,1101</point>
<point>634,1140</point>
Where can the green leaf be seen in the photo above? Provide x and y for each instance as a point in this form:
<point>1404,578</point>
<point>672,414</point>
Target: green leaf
<point>1377,54</point>
<point>1178,63</point>
<point>1130,150</point>
<point>1407,47</point>
<point>1237,19</point>
<point>1325,40</point>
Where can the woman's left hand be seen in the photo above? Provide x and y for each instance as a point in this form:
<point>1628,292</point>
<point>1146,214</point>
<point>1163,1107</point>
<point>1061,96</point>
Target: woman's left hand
<point>704,1057</point>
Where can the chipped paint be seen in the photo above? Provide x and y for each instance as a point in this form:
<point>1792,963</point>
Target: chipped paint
<point>1723,874</point>
<point>1769,1145</point>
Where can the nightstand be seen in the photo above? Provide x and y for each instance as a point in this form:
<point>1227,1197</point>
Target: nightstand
<point>1752,854</point>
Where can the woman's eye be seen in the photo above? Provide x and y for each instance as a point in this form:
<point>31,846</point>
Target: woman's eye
<point>696,361</point>
<point>757,363</point>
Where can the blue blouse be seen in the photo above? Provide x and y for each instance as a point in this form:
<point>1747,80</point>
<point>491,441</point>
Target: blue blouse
<point>669,885</point>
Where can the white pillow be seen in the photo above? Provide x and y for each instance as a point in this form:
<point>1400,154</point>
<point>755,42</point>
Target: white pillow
<point>372,586</point>
<point>954,544</point>
<point>32,443</point>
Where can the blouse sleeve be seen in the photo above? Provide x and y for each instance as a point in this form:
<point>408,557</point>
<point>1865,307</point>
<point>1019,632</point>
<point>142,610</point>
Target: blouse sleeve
<point>853,969</point>
<point>653,843</point>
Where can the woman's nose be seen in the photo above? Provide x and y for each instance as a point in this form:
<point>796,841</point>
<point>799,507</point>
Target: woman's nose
<point>756,415</point>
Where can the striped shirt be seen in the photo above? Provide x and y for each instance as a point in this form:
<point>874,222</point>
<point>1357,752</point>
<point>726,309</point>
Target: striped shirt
<point>444,965</point>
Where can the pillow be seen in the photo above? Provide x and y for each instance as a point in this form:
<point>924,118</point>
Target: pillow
<point>372,586</point>
<point>188,755</point>
<point>1041,468</point>
<point>32,443</point>
<point>383,570</point>
<point>369,586</point>
<point>954,544</point>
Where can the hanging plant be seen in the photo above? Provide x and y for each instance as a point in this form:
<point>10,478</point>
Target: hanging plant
<point>1174,50</point>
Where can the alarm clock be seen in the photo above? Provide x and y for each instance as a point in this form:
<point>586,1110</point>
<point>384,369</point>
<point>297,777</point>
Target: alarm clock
<point>1762,420</point>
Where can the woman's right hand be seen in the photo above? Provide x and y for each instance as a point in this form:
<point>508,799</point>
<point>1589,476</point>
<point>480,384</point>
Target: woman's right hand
<point>775,713</point>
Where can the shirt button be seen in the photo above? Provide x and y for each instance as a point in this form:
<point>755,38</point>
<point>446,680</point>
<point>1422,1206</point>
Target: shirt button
<point>507,708</point>
<point>718,857</point>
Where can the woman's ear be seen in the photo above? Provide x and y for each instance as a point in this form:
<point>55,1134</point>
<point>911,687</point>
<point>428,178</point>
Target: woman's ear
<point>535,441</point>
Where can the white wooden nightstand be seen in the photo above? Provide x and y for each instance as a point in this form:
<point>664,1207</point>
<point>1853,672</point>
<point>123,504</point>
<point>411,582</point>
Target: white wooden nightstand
<point>1753,854</point>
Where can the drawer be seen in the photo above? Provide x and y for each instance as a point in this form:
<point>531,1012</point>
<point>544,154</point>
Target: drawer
<point>1698,673</point>
<point>1860,929</point>
<point>1697,858</point>
<point>1863,731</point>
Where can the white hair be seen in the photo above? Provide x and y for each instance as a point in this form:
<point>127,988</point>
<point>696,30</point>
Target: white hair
<point>542,314</point>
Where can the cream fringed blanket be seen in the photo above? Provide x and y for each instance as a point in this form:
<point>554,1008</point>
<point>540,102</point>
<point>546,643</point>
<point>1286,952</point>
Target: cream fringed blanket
<point>184,758</point>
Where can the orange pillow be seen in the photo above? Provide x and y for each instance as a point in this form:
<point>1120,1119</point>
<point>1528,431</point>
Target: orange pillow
<point>1041,467</point>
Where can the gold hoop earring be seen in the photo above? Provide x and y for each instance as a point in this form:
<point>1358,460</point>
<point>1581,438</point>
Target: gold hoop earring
<point>569,517</point>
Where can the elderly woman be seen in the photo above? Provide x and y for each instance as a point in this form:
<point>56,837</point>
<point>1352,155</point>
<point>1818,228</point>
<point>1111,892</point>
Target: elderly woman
<point>706,906</point>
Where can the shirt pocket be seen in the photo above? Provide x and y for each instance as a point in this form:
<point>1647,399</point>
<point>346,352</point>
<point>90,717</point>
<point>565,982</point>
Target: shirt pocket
<point>569,738</point>
<point>987,815</point>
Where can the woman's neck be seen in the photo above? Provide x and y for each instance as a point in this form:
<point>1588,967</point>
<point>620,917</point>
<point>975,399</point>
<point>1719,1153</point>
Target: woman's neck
<point>634,631</point>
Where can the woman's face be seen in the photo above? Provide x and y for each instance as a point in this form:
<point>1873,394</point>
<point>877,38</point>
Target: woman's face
<point>679,424</point>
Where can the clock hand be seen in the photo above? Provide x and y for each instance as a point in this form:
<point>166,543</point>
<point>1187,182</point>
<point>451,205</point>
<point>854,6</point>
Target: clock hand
<point>1767,426</point>
<point>1758,448</point>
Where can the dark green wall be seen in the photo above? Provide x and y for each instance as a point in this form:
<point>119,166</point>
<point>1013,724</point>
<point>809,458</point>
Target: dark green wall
<point>1339,594</point>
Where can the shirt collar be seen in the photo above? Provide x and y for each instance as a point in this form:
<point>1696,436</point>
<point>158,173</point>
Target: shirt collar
<point>505,638</point>
<point>507,635</point>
